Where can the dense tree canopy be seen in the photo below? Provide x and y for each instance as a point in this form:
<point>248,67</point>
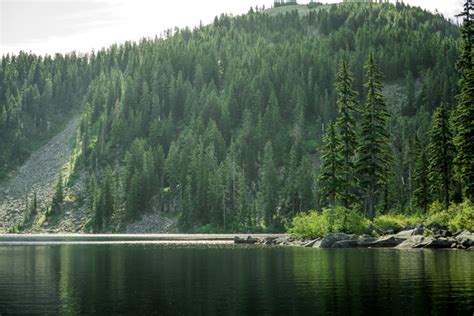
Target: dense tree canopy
<point>223,125</point>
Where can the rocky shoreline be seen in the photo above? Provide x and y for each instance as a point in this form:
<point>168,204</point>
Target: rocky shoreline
<point>405,239</point>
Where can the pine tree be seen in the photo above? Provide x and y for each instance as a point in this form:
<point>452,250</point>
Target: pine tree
<point>441,155</point>
<point>374,156</point>
<point>269,186</point>
<point>421,183</point>
<point>58,196</point>
<point>330,179</point>
<point>464,115</point>
<point>345,124</point>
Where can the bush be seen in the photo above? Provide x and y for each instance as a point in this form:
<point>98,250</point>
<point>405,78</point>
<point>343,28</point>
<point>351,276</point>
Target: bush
<point>458,217</point>
<point>395,222</point>
<point>331,220</point>
<point>462,217</point>
<point>311,225</point>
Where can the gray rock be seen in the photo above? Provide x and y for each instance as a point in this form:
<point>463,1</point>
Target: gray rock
<point>418,230</point>
<point>465,239</point>
<point>317,244</point>
<point>405,233</point>
<point>365,241</point>
<point>310,243</point>
<point>445,233</point>
<point>387,241</point>
<point>424,242</point>
<point>411,242</point>
<point>269,240</point>
<point>331,239</point>
<point>248,240</point>
<point>440,243</point>
<point>346,244</point>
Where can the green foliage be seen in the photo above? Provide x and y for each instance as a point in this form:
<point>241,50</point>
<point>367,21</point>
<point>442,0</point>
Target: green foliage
<point>331,220</point>
<point>184,120</point>
<point>421,192</point>
<point>58,195</point>
<point>330,179</point>
<point>311,225</point>
<point>441,155</point>
<point>346,126</point>
<point>463,217</point>
<point>374,154</point>
<point>15,229</point>
<point>464,113</point>
<point>395,221</point>
<point>36,94</point>
<point>457,217</point>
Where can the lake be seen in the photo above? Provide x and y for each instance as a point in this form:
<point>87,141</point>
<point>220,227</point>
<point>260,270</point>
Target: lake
<point>209,278</point>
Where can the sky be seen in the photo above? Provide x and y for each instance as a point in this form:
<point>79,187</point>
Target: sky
<point>52,26</point>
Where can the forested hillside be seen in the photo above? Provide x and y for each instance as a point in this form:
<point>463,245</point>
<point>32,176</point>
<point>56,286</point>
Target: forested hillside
<point>223,125</point>
<point>37,95</point>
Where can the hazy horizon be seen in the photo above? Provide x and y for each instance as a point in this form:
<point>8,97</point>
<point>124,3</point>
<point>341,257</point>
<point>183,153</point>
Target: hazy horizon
<point>52,26</point>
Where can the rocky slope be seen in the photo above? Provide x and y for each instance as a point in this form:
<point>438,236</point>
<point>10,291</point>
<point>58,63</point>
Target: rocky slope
<point>38,174</point>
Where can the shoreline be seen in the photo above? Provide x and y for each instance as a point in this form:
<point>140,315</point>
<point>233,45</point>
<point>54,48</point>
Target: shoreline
<point>403,240</point>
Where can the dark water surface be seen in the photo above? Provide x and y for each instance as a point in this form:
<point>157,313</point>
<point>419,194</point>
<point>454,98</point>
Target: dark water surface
<point>144,279</point>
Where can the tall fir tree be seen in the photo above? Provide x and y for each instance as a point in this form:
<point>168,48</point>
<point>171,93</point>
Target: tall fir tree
<point>374,154</point>
<point>441,156</point>
<point>464,114</point>
<point>421,183</point>
<point>330,179</point>
<point>269,186</point>
<point>346,129</point>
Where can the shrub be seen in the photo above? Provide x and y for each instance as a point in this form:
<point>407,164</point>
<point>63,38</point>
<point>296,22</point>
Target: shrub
<point>331,220</point>
<point>395,221</point>
<point>311,225</point>
<point>462,217</point>
<point>457,217</point>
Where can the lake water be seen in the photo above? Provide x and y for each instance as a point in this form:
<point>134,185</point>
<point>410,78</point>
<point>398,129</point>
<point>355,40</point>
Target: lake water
<point>220,278</point>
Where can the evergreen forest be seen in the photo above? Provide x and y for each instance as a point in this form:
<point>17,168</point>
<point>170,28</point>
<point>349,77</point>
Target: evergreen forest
<point>245,123</point>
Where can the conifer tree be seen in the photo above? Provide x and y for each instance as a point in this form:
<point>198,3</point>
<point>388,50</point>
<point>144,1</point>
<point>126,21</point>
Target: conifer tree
<point>421,183</point>
<point>58,196</point>
<point>269,186</point>
<point>464,115</point>
<point>441,155</point>
<point>330,179</point>
<point>374,156</point>
<point>346,129</point>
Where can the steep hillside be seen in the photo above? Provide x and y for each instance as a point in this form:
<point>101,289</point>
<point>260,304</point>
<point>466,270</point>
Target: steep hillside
<point>221,127</point>
<point>35,178</point>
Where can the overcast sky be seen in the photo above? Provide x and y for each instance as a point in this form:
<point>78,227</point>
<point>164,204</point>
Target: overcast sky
<point>50,26</point>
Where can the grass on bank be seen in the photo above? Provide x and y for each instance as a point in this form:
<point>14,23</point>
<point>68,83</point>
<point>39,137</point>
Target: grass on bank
<point>457,217</point>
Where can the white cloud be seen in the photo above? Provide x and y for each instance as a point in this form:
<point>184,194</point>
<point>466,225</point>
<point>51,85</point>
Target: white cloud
<point>111,21</point>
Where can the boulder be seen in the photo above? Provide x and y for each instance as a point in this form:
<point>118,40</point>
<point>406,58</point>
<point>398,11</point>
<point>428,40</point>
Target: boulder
<point>346,244</point>
<point>317,244</point>
<point>445,233</point>
<point>465,239</point>
<point>310,243</point>
<point>248,240</point>
<point>331,239</point>
<point>269,240</point>
<point>365,241</point>
<point>418,230</point>
<point>424,242</point>
<point>405,233</point>
<point>387,241</point>
<point>411,242</point>
<point>440,243</point>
